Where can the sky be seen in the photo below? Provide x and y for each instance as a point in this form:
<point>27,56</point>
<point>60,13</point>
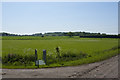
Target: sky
<point>41,17</point>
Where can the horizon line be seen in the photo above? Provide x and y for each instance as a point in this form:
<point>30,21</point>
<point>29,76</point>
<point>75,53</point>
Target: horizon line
<point>57,31</point>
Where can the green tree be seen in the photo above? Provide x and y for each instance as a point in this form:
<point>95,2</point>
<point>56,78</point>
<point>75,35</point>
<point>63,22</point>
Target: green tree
<point>70,34</point>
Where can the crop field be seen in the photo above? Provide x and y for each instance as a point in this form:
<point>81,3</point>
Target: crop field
<point>72,51</point>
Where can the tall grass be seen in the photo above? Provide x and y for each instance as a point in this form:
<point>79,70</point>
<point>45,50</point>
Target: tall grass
<point>17,59</point>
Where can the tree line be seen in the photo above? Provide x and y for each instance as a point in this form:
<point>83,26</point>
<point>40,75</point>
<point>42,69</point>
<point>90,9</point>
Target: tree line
<point>70,34</point>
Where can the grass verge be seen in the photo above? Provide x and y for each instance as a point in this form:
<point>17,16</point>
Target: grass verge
<point>65,59</point>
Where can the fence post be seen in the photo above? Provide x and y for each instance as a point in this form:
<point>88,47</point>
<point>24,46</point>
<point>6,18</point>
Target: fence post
<point>44,56</point>
<point>35,56</point>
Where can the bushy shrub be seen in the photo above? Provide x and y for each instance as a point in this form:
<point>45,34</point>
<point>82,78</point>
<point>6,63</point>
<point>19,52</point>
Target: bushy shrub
<point>65,56</point>
<point>18,59</point>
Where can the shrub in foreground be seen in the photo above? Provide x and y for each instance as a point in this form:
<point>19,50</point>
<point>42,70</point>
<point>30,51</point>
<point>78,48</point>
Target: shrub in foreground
<point>17,59</point>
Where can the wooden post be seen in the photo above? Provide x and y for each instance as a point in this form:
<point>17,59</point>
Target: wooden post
<point>35,56</point>
<point>44,56</point>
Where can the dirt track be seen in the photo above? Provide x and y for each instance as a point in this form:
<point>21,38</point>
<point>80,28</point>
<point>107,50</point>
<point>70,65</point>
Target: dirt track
<point>103,69</point>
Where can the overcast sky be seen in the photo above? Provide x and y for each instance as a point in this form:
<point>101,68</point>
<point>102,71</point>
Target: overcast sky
<point>32,17</point>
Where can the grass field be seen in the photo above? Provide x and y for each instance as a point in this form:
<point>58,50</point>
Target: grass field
<point>73,51</point>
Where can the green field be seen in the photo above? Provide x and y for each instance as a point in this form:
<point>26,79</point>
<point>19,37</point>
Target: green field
<point>73,51</point>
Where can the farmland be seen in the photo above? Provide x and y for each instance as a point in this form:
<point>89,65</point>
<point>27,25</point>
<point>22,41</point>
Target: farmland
<point>73,50</point>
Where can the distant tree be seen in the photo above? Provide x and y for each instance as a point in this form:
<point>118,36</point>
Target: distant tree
<point>37,34</point>
<point>5,34</point>
<point>64,34</point>
<point>70,34</point>
<point>119,35</point>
